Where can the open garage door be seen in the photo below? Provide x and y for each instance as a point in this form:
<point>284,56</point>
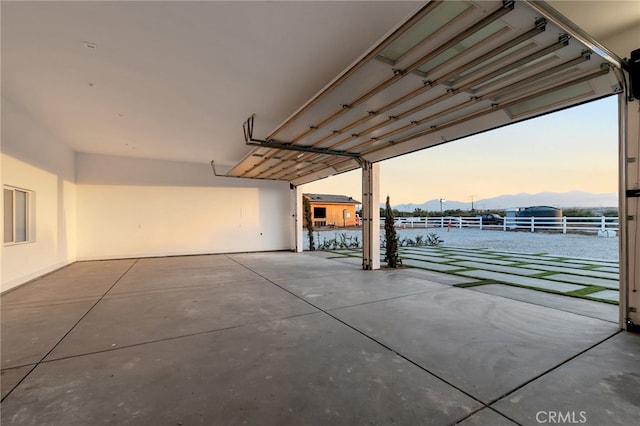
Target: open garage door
<point>450,70</point>
<point>453,69</point>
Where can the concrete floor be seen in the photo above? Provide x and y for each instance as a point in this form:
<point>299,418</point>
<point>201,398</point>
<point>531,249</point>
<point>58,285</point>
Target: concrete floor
<point>302,339</point>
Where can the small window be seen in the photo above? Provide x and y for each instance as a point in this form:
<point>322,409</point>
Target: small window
<point>17,208</point>
<point>319,212</point>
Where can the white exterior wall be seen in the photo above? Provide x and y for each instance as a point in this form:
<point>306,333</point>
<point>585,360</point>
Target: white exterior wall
<point>137,207</point>
<point>33,159</point>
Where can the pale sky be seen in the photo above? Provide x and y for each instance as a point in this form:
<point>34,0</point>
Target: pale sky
<point>574,149</point>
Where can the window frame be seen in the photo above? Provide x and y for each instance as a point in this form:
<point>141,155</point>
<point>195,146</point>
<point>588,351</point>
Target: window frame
<point>27,215</point>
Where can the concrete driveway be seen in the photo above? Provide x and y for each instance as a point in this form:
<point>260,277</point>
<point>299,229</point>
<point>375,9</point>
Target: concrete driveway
<point>284,338</point>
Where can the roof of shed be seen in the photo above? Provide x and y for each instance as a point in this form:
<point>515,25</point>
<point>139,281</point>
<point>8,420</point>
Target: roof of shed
<point>331,199</point>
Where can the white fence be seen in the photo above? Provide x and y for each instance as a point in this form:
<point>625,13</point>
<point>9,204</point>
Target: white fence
<point>601,225</point>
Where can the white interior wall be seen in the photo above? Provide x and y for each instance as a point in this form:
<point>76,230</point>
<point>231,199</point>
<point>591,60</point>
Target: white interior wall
<point>33,159</point>
<point>131,207</point>
<point>89,206</point>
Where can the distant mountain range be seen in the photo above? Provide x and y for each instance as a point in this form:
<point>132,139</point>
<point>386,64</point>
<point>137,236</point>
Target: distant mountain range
<point>578,199</point>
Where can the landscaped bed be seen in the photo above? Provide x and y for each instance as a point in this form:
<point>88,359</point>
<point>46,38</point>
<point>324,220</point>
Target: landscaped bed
<point>592,279</point>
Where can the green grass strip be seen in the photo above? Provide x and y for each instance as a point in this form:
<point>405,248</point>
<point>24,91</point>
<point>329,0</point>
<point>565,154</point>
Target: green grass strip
<point>586,291</point>
<point>474,284</point>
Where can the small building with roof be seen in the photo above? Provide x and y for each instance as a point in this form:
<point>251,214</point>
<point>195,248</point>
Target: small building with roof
<point>333,210</point>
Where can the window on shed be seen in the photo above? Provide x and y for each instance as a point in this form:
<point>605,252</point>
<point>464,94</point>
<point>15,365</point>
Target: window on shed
<point>320,212</point>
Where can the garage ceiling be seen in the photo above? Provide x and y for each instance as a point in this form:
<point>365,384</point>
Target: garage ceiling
<point>175,80</point>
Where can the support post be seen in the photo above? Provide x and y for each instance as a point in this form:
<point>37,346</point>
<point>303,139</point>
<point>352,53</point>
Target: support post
<point>297,231</point>
<point>370,215</point>
<point>628,211</point>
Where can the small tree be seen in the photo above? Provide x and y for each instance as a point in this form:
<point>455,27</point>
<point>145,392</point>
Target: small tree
<point>308,222</point>
<point>391,244</point>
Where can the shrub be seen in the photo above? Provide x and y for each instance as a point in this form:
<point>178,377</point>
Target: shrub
<point>391,255</point>
<point>308,222</point>
<point>433,239</point>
